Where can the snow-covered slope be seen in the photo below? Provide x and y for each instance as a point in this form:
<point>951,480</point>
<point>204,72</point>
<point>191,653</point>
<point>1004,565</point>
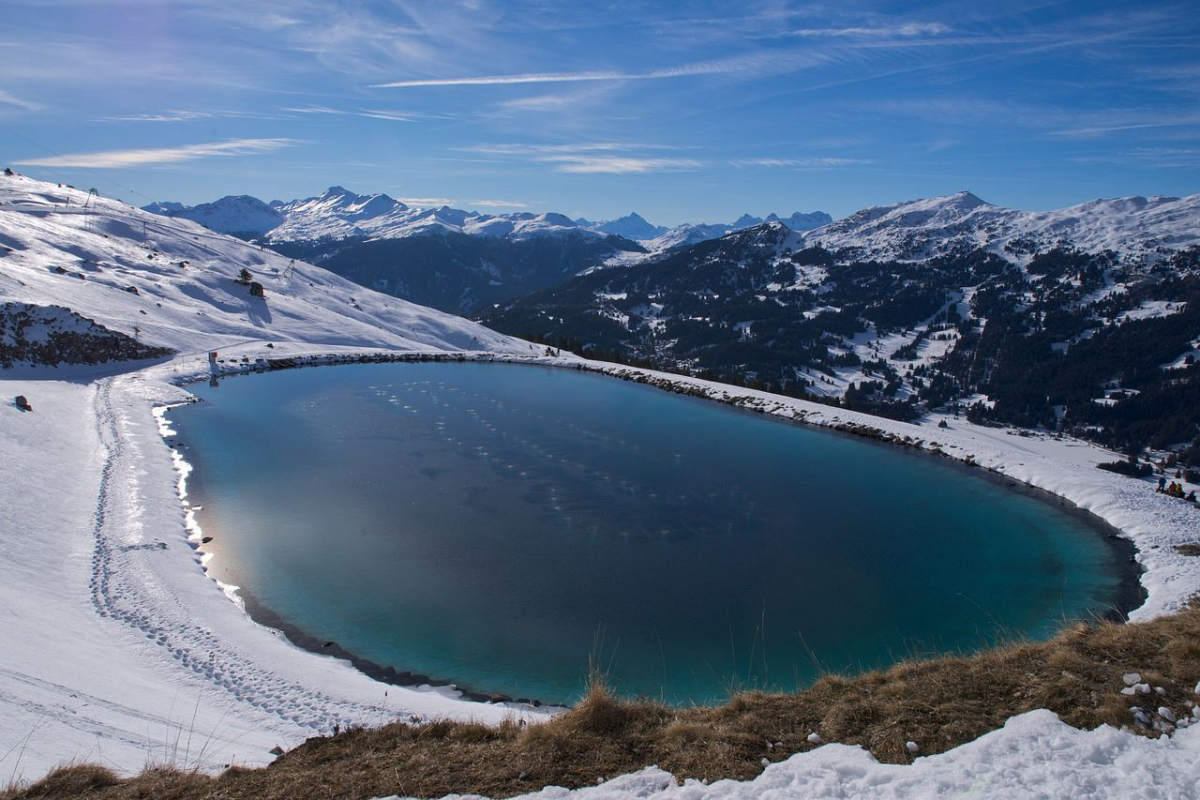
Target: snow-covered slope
<point>525,225</point>
<point>172,283</point>
<point>919,229</point>
<point>686,234</point>
<point>117,647</point>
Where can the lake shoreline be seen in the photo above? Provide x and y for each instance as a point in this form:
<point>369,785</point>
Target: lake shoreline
<point>1130,592</point>
<point>384,674</point>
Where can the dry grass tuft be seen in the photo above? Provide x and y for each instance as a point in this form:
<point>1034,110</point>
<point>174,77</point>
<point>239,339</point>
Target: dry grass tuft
<point>1189,549</point>
<point>72,781</point>
<point>939,704</point>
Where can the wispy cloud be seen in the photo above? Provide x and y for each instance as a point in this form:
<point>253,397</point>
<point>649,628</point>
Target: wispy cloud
<point>904,29</point>
<point>612,158</point>
<point>189,115</point>
<point>764,62</point>
<point>504,80</point>
<point>310,109</point>
<point>394,116</point>
<point>1156,157</point>
<point>939,145</point>
<point>619,165</point>
<point>593,157</point>
<point>426,202</point>
<point>109,159</point>
<point>372,113</point>
<point>541,102</point>
<point>800,163</point>
<point>1127,122</point>
<point>9,99</point>
<point>166,116</point>
<point>1048,120</point>
<point>578,147</point>
<point>499,204</point>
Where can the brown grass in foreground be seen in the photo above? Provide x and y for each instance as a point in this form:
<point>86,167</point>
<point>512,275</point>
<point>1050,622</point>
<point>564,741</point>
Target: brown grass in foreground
<point>938,704</point>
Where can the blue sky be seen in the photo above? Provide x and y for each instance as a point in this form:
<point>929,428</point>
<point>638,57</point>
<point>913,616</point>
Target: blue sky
<point>693,111</point>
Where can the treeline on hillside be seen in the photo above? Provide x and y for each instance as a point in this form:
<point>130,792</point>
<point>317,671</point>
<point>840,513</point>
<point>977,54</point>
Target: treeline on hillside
<point>1017,365</point>
<point>457,272</point>
<point>1044,343</point>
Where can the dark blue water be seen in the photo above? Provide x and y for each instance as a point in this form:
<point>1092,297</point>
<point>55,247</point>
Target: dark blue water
<point>496,525</point>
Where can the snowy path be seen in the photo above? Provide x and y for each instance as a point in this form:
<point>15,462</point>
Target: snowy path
<point>126,590</point>
<point>118,647</point>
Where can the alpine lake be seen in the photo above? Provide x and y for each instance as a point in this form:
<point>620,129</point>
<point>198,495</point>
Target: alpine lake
<point>503,527</point>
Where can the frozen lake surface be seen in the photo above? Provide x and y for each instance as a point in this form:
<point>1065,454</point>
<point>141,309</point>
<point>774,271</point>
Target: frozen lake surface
<point>497,525</point>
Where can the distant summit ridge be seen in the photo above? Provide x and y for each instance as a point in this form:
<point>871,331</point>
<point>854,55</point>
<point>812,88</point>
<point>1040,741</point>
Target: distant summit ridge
<point>911,230</point>
<point>632,226</point>
<point>241,215</point>
<point>339,213</point>
<point>915,230</point>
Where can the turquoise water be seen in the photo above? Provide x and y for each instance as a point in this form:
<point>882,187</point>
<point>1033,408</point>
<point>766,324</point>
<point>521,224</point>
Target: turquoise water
<point>497,525</point>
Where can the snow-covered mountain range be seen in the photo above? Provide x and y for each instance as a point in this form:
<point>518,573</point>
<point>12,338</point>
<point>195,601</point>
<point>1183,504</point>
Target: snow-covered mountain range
<point>921,229</point>
<point>632,226</point>
<point>474,260</point>
<point>341,214</point>
<point>920,305</point>
<point>240,215</point>
<point>911,230</point>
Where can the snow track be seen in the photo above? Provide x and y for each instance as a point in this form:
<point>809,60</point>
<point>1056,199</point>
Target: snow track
<point>118,648</point>
<point>123,589</point>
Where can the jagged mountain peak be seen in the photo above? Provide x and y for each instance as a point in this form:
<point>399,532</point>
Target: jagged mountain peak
<point>631,226</point>
<point>340,213</point>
